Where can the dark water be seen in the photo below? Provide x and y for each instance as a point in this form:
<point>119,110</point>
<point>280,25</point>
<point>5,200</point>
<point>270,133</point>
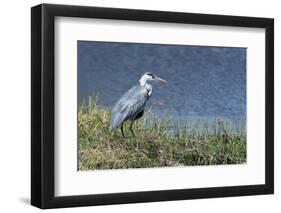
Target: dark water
<point>204,82</point>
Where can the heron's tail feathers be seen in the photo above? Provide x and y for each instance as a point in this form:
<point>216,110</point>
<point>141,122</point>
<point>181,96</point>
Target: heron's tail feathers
<point>116,121</point>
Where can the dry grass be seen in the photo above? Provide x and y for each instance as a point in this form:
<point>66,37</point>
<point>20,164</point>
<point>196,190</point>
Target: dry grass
<point>199,143</point>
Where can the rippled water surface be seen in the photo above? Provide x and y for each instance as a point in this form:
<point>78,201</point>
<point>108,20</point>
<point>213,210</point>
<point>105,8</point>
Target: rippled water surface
<point>204,82</point>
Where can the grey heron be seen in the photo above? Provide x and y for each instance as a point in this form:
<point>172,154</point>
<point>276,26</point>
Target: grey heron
<point>131,105</point>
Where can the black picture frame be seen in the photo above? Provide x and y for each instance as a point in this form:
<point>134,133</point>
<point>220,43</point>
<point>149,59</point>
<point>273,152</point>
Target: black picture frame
<point>43,102</point>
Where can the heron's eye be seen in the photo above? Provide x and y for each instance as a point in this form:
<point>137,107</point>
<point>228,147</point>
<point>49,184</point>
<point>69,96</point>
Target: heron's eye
<point>150,74</point>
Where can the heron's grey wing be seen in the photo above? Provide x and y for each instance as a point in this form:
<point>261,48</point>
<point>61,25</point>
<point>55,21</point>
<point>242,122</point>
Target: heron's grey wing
<point>128,106</point>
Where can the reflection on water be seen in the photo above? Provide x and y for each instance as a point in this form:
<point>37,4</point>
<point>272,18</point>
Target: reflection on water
<point>205,83</point>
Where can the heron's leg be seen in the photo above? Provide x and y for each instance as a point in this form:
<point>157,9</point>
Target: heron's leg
<point>122,130</point>
<point>131,128</point>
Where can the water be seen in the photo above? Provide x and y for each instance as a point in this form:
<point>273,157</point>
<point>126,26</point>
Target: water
<point>204,82</point>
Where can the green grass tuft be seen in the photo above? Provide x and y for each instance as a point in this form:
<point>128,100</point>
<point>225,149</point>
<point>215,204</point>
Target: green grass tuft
<point>199,143</point>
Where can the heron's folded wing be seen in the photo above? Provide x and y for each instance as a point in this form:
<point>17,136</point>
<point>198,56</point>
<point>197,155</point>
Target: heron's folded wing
<point>129,105</point>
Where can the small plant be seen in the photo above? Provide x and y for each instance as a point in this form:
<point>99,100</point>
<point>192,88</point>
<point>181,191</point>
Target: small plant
<point>158,142</point>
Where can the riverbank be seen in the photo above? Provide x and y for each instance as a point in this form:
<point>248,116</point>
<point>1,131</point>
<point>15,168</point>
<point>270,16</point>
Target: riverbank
<point>100,148</point>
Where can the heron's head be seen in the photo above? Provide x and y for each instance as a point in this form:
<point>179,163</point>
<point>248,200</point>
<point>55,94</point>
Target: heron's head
<point>149,77</point>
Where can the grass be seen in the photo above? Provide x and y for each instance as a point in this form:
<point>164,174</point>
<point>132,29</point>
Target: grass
<point>197,143</point>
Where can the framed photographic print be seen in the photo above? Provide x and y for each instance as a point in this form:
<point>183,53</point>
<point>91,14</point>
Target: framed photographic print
<point>139,106</point>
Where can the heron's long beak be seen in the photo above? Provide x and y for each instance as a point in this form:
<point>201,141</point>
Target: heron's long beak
<point>161,80</point>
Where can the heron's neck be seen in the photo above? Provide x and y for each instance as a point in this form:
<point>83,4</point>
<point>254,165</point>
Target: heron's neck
<point>146,85</point>
<point>143,81</point>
